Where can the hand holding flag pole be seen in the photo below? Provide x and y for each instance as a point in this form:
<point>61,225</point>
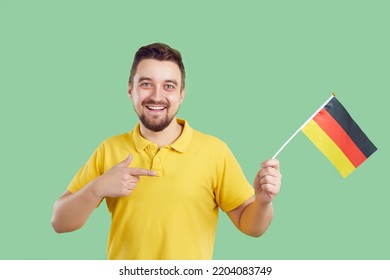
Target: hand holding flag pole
<point>337,136</point>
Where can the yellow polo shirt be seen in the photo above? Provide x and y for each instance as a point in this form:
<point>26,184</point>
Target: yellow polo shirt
<point>173,215</point>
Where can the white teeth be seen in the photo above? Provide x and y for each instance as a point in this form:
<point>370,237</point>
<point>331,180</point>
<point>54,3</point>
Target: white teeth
<point>155,108</point>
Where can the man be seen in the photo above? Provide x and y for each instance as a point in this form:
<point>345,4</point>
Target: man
<point>163,181</point>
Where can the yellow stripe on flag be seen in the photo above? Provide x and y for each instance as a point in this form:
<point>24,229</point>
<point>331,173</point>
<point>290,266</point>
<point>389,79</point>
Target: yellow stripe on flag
<point>326,145</point>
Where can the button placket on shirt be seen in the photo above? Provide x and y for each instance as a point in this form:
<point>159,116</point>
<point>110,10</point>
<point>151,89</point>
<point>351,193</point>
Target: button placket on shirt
<point>158,161</point>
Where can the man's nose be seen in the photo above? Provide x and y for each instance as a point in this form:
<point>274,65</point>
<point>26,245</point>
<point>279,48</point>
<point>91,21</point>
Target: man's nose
<point>157,93</point>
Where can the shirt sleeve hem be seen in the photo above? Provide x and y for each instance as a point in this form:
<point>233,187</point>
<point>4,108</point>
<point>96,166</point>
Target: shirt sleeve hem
<point>72,189</point>
<point>233,205</point>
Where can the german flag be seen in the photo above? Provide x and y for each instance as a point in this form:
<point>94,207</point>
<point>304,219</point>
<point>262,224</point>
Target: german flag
<point>339,138</point>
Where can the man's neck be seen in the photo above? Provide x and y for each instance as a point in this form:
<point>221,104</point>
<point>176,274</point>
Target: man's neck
<point>164,137</point>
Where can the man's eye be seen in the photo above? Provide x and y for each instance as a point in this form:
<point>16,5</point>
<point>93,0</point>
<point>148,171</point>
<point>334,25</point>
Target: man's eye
<point>145,85</point>
<point>169,86</point>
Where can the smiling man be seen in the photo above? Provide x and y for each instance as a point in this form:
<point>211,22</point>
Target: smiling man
<point>164,182</point>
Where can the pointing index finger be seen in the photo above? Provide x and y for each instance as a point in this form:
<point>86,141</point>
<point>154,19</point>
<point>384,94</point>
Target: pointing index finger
<point>141,172</point>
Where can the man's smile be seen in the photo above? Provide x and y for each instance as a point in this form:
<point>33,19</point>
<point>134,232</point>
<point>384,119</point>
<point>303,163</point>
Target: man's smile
<point>156,108</point>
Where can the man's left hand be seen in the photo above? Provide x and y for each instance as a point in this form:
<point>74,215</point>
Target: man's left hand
<point>267,181</point>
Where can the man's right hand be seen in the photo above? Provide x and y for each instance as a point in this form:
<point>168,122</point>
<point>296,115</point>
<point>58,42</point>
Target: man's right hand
<point>120,180</point>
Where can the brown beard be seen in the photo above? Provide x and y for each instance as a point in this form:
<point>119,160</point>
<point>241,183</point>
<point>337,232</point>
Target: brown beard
<point>156,127</point>
<point>150,124</point>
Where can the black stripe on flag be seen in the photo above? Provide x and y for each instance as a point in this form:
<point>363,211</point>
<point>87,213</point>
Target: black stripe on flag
<point>341,115</point>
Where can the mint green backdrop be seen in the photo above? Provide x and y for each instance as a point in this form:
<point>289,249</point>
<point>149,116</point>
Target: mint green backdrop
<point>256,70</point>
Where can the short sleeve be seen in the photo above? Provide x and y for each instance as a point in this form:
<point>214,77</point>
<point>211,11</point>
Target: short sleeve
<point>91,169</point>
<point>233,188</point>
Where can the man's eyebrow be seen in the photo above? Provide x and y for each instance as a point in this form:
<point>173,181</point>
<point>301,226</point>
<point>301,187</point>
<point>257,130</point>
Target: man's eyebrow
<point>172,81</point>
<point>141,79</point>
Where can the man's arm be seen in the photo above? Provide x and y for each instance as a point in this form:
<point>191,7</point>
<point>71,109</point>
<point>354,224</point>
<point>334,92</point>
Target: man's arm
<point>254,216</point>
<point>71,211</point>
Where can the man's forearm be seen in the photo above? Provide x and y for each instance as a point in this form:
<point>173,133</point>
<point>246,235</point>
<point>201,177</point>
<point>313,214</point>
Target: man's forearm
<point>71,211</point>
<point>256,218</point>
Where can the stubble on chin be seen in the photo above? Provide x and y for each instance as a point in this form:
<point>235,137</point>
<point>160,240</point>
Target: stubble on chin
<point>155,125</point>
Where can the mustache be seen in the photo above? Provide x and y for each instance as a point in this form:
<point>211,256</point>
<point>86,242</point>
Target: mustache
<point>150,102</point>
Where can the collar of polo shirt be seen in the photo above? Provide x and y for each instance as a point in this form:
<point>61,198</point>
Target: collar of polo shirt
<point>181,144</point>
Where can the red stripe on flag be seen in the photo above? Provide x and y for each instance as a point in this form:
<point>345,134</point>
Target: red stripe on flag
<point>331,127</point>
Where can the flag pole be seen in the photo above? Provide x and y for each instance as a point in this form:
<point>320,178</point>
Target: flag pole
<point>303,125</point>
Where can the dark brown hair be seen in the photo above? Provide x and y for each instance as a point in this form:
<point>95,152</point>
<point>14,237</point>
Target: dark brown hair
<point>161,52</point>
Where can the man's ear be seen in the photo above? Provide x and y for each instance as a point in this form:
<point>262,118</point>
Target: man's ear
<point>129,90</point>
<point>182,94</point>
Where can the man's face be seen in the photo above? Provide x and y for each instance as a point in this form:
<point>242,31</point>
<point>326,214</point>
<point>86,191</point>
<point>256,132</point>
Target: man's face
<point>156,93</point>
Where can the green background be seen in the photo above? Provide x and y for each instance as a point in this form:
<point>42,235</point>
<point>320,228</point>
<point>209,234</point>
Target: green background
<point>256,71</point>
